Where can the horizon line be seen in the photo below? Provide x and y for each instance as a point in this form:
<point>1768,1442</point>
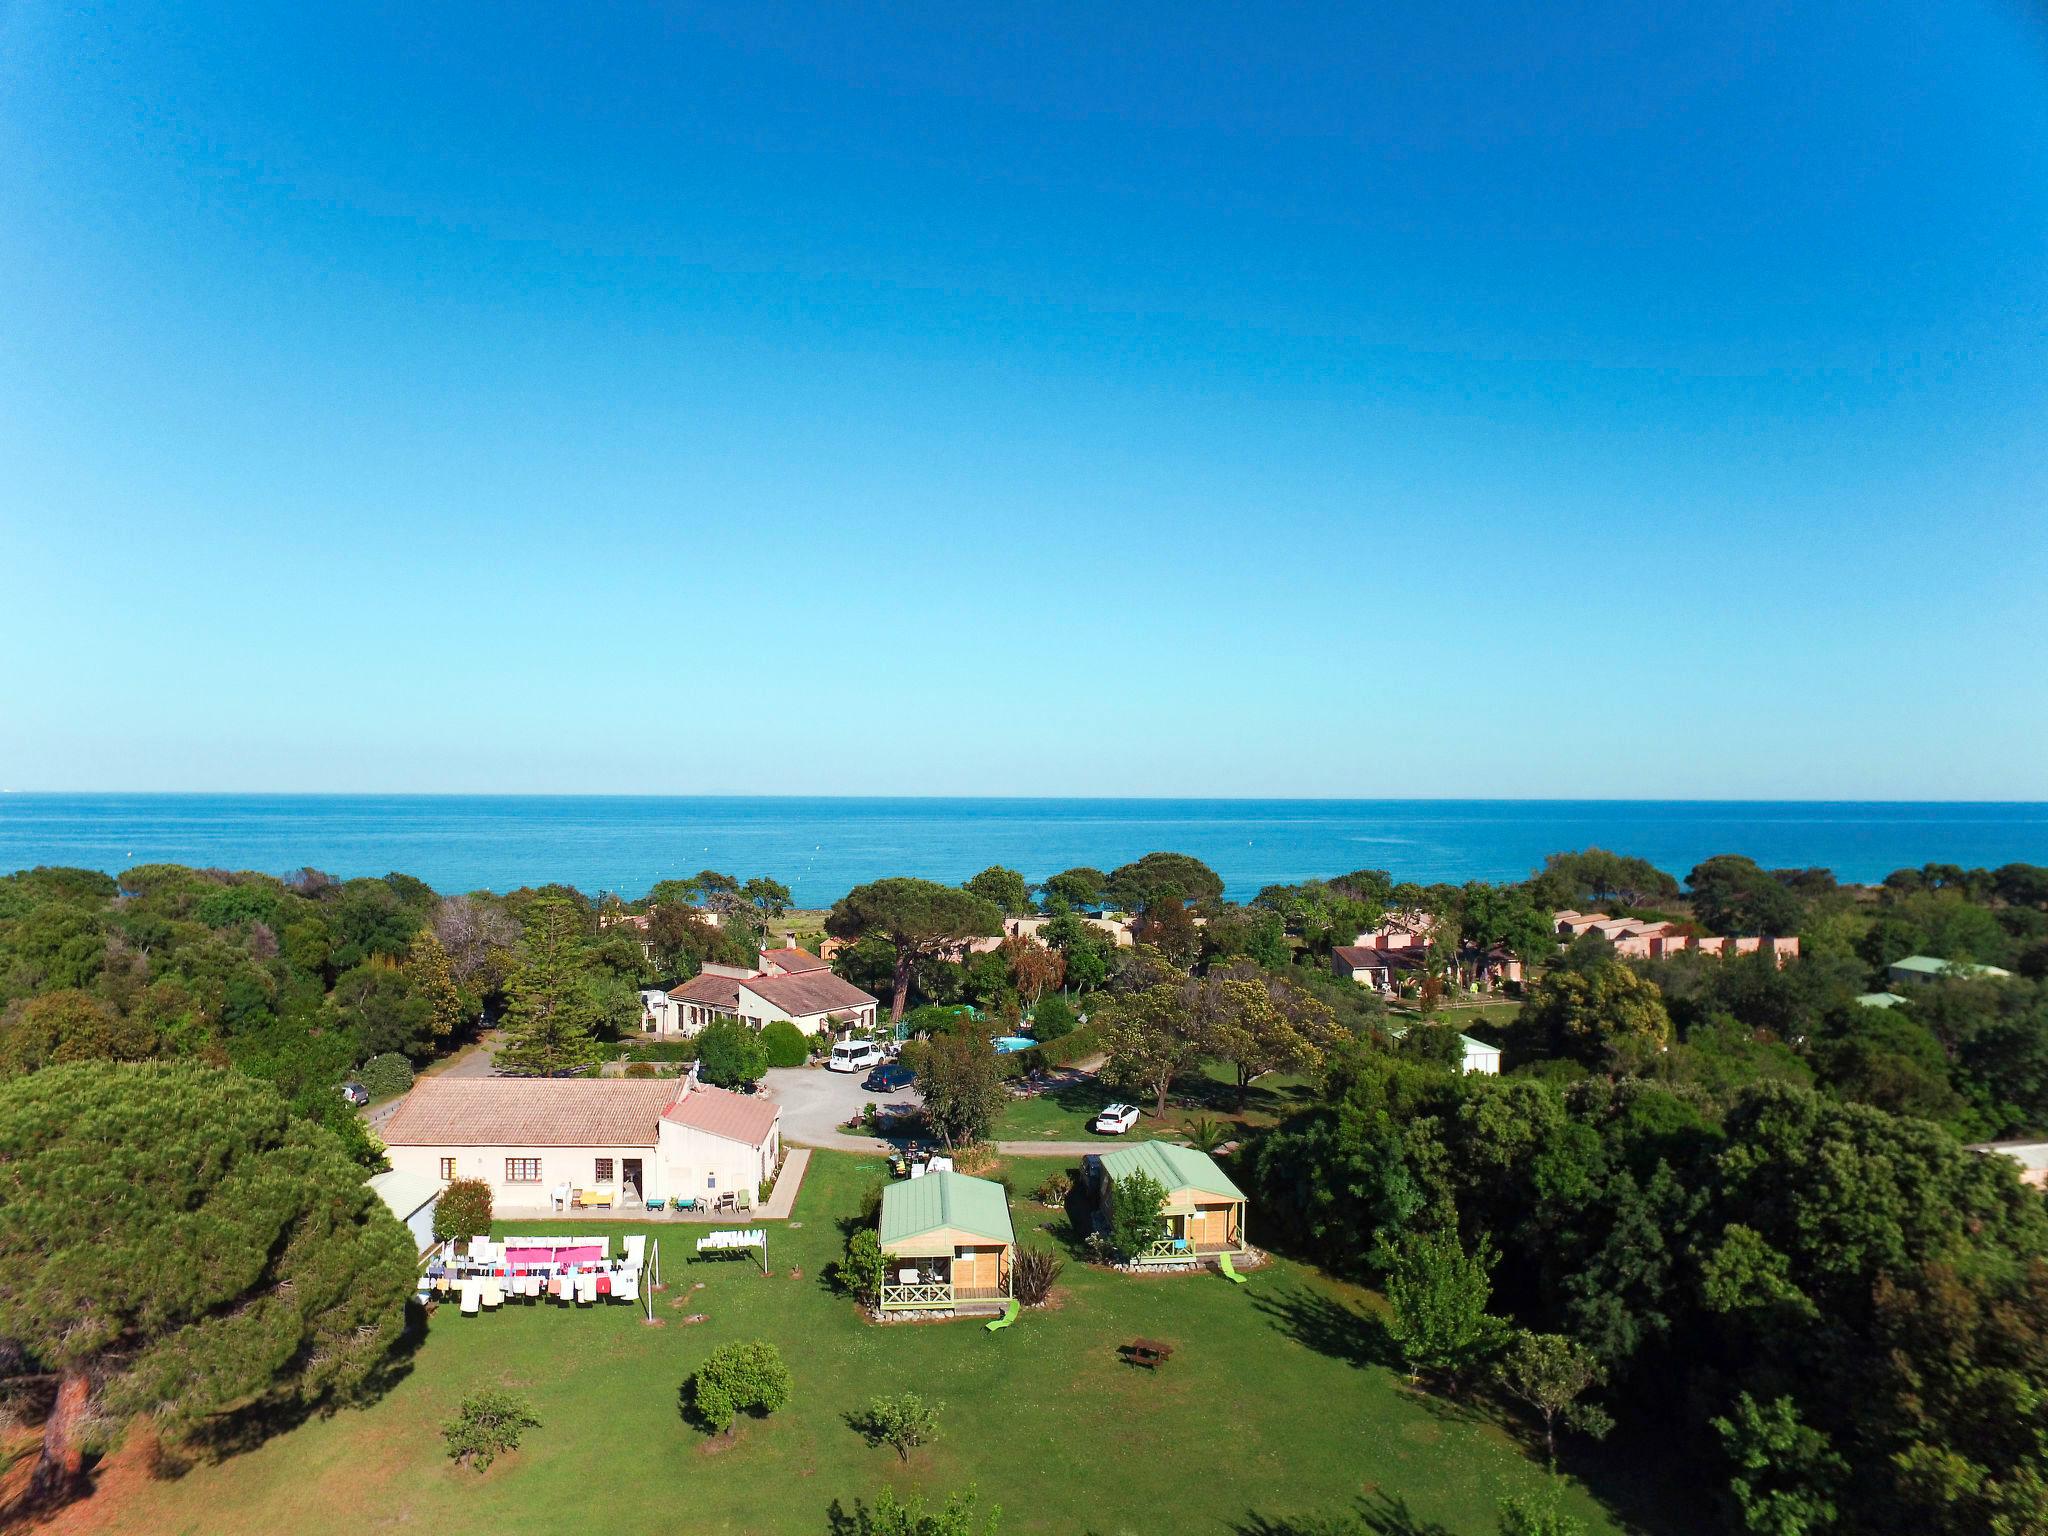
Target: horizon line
<point>1047,799</point>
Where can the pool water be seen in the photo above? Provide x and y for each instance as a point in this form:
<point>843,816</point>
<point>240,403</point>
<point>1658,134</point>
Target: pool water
<point>1005,1044</point>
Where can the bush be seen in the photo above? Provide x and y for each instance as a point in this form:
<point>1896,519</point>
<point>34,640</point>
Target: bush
<point>464,1209</point>
<point>1134,1214</point>
<point>1054,1188</point>
<point>862,1267</point>
<point>1033,1275</point>
<point>890,1516</point>
<point>904,1422</point>
<point>642,1069</point>
<point>730,1055</point>
<point>658,1050</point>
<point>486,1426</point>
<point>747,1377</point>
<point>1052,1019</point>
<point>386,1076</point>
<point>785,1044</point>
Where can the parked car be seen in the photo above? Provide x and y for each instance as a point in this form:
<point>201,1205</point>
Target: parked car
<point>854,1056</point>
<point>888,1077</point>
<point>356,1094</point>
<point>1115,1119</point>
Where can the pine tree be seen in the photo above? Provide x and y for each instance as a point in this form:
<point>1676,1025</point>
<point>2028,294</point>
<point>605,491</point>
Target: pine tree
<point>553,1009</point>
<point>426,965</point>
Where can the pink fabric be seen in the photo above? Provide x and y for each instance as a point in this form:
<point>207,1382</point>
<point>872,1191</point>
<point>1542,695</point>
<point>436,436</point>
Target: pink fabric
<point>559,1255</point>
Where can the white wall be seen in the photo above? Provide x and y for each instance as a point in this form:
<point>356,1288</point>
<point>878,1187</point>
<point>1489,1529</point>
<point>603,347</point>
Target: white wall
<point>558,1165</point>
<point>696,1164</point>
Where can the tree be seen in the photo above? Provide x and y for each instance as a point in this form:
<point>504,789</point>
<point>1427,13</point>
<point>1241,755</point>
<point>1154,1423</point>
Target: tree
<point>783,1044</point>
<point>1035,969</point>
<point>70,1025</point>
<point>904,1422</point>
<point>376,1003</point>
<point>488,1423</point>
<point>961,1080</point>
<point>1159,878</point>
<point>1732,894</point>
<point>919,918</point>
<point>747,1377</point>
<point>1135,1220</point>
<point>862,1268</point>
<point>730,1055</point>
<point>1004,887</point>
<point>1052,1018</point>
<point>553,1010</point>
<point>1149,1038</point>
<point>1529,1514</point>
<point>890,1516</point>
<point>1550,1373</point>
<point>1085,949</point>
<point>1785,1471</point>
<point>1170,928</point>
<point>1262,1024</point>
<point>464,1210</point>
<point>1078,887</point>
<point>296,1280</point>
<point>1437,1297</point>
<point>1606,1016</point>
<point>433,982</point>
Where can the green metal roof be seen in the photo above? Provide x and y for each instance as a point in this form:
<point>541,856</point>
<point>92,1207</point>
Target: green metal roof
<point>938,1201</point>
<point>1879,999</point>
<point>1174,1166</point>
<point>1929,965</point>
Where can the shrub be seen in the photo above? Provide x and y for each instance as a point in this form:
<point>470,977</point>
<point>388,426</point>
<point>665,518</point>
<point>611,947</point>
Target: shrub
<point>487,1425</point>
<point>785,1044</point>
<point>730,1055</point>
<point>642,1069</point>
<point>1052,1019</point>
<point>1134,1214</point>
<point>658,1050</point>
<point>890,1516</point>
<point>1034,1273</point>
<point>904,1422</point>
<point>747,1377</point>
<point>862,1267</point>
<point>1054,1188</point>
<point>464,1209</point>
<point>1206,1135</point>
<point>386,1076</point>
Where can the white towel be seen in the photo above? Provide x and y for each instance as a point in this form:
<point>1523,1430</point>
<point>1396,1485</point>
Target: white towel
<point>472,1296</point>
<point>626,1287</point>
<point>494,1294</point>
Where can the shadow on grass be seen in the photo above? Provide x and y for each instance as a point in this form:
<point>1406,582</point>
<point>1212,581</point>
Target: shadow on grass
<point>1329,1326</point>
<point>1376,1514</point>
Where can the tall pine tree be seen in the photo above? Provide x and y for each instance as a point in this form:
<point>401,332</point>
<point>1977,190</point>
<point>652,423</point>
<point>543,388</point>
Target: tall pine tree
<point>554,1007</point>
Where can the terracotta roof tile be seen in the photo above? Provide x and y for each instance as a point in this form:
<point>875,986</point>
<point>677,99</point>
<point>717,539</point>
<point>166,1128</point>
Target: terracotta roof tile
<point>528,1112</point>
<point>739,1117</point>
<point>813,992</point>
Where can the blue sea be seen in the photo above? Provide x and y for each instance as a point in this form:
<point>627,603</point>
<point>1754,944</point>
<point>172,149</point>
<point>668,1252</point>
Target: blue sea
<point>821,847</point>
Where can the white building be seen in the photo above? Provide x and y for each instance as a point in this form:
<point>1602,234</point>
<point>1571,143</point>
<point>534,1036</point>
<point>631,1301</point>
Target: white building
<point>675,1139</point>
<point>815,999</point>
<point>411,1197</point>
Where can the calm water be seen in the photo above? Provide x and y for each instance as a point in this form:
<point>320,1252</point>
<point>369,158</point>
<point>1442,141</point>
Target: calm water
<point>820,847</point>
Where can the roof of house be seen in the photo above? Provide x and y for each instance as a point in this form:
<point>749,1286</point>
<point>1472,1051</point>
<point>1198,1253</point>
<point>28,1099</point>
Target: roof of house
<point>1364,958</point>
<point>1174,1166</point>
<point>812,992</point>
<point>741,1117</point>
<point>945,1202</point>
<point>1930,965</point>
<point>1879,999</point>
<point>712,991</point>
<point>1472,1045</point>
<point>793,961</point>
<point>404,1193</point>
<point>2028,1154</point>
<point>528,1112</point>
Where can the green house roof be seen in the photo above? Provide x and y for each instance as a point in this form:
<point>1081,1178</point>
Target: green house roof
<point>1879,999</point>
<point>1929,965</point>
<point>1174,1166</point>
<point>942,1201</point>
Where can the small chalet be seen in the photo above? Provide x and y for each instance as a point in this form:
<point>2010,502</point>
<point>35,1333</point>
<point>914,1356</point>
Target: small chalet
<point>1204,1211</point>
<point>947,1243</point>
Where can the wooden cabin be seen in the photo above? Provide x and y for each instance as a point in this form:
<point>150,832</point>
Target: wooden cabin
<point>947,1245</point>
<point>1204,1211</point>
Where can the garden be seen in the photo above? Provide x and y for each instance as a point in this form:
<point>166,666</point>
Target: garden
<point>1274,1404</point>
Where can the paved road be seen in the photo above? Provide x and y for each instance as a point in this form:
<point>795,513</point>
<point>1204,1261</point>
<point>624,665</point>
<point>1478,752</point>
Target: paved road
<point>815,1103</point>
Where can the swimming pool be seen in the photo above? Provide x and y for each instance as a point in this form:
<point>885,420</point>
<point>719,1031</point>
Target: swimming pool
<point>1005,1044</point>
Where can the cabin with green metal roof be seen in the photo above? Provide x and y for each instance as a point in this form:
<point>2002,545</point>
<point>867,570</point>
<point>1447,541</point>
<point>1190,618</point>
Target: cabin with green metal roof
<point>1926,968</point>
<point>947,1244</point>
<point>1204,1211</point>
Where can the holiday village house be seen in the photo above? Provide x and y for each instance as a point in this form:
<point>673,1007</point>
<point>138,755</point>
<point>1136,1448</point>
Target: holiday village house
<point>545,1143</point>
<point>947,1244</point>
<point>791,984</point>
<point>1204,1212</point>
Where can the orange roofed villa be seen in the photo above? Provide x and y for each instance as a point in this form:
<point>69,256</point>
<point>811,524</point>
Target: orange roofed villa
<point>1395,955</point>
<point>791,984</point>
<point>1637,938</point>
<point>543,1144</point>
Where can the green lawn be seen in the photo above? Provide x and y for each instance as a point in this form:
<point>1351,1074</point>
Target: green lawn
<point>1063,1113</point>
<point>1268,1409</point>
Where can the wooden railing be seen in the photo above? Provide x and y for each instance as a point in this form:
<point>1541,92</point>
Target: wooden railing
<point>925,1293</point>
<point>1167,1250</point>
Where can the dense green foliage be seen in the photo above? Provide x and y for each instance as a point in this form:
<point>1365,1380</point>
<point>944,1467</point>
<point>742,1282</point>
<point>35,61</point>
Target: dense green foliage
<point>747,1377</point>
<point>889,1515</point>
<point>386,1076</point>
<point>464,1209</point>
<point>917,918</point>
<point>177,1243</point>
<point>784,1045</point>
<point>730,1055</point>
<point>489,1423</point>
<point>961,1079</point>
<point>902,1422</point>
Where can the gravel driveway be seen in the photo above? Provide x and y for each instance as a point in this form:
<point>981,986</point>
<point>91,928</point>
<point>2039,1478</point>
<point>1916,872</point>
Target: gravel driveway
<point>815,1103</point>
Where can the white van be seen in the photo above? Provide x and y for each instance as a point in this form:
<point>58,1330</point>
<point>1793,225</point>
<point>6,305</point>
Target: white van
<point>855,1056</point>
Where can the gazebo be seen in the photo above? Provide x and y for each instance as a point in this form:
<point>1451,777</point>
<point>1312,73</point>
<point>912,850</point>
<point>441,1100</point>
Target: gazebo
<point>947,1244</point>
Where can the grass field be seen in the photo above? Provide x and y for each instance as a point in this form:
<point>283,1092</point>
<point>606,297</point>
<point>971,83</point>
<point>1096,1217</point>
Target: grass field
<point>1063,1113</point>
<point>1270,1408</point>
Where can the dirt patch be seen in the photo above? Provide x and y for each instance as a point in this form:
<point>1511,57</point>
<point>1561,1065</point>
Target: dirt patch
<point>696,1317</point>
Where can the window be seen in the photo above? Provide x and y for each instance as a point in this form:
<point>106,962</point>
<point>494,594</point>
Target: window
<point>711,1181</point>
<point>604,1170</point>
<point>447,1167</point>
<point>522,1170</point>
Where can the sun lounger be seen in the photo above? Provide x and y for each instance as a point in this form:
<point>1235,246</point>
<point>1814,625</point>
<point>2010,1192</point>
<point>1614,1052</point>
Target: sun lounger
<point>627,1286</point>
<point>636,1251</point>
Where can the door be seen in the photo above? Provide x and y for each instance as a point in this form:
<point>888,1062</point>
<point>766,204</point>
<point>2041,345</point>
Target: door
<point>632,1166</point>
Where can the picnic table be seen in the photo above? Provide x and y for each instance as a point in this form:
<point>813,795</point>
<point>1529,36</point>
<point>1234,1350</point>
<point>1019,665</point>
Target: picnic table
<point>1150,1353</point>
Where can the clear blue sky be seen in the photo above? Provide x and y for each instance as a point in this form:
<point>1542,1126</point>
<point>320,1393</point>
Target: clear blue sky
<point>1620,399</point>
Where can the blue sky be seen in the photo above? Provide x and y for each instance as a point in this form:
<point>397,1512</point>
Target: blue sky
<point>1605,400</point>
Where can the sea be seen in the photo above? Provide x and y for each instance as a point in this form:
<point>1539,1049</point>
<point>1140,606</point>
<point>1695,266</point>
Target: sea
<point>822,847</point>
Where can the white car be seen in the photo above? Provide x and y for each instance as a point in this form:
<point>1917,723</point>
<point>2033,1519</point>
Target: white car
<point>1115,1119</point>
<point>855,1056</point>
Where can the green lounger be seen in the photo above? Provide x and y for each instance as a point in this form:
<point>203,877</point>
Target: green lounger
<point>1228,1269</point>
<point>1009,1316</point>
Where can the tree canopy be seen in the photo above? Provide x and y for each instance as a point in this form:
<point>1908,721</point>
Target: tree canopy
<point>918,918</point>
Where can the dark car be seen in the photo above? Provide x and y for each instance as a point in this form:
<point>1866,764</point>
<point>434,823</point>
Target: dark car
<point>887,1078</point>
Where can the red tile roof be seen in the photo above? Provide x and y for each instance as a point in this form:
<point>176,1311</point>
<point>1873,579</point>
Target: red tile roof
<point>793,962</point>
<point>528,1112</point>
<point>739,1117</point>
<point>713,991</point>
<point>813,992</point>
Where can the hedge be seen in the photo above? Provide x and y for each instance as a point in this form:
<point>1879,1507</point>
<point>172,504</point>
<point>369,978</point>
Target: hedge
<point>658,1050</point>
<point>1085,1041</point>
<point>785,1043</point>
